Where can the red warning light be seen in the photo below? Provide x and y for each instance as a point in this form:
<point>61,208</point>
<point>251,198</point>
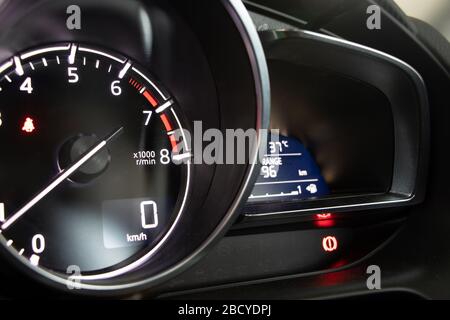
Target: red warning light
<point>324,223</point>
<point>324,220</point>
<point>329,244</point>
<point>28,125</point>
<point>323,215</point>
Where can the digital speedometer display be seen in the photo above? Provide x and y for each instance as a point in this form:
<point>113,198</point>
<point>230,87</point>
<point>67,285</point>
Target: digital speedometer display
<point>88,180</point>
<point>288,172</point>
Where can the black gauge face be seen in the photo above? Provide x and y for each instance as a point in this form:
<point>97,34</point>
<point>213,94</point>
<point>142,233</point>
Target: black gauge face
<point>87,180</point>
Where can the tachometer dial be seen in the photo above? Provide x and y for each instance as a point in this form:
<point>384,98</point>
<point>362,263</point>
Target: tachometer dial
<point>88,181</point>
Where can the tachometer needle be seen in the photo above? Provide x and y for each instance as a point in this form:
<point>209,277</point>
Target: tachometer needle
<point>63,175</point>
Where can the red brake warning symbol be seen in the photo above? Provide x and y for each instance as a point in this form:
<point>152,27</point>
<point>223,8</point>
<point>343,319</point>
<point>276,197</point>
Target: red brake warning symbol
<point>329,243</point>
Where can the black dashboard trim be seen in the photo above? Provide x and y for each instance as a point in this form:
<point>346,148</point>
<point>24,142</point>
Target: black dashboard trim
<point>411,138</point>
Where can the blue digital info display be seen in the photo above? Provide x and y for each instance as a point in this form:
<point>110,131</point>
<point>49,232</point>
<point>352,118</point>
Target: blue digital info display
<point>288,173</point>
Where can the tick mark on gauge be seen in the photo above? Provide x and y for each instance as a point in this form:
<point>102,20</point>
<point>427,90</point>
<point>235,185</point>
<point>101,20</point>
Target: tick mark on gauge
<point>124,71</point>
<point>57,60</point>
<point>73,53</point>
<point>84,61</point>
<point>44,61</point>
<point>109,69</point>
<point>164,106</point>
<point>19,68</point>
<point>179,157</point>
<point>9,243</point>
<point>21,252</point>
<point>8,79</point>
<point>97,64</point>
<point>31,65</point>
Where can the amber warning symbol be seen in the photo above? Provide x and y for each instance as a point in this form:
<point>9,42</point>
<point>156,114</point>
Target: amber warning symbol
<point>28,126</point>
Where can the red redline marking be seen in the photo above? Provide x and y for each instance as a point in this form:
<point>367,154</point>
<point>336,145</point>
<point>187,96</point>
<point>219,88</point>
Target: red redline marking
<point>166,122</point>
<point>163,117</point>
<point>173,142</point>
<point>150,99</point>
<point>135,84</point>
<point>138,87</point>
<point>168,127</point>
